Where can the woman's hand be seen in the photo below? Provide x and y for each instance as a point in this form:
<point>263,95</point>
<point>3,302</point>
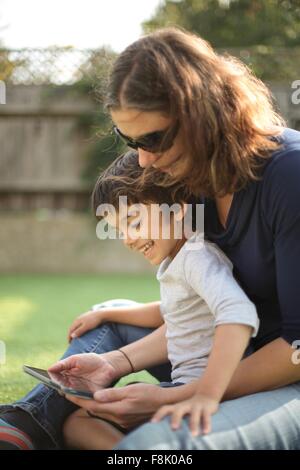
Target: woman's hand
<point>127,406</point>
<point>101,369</point>
<point>199,407</point>
<point>85,322</point>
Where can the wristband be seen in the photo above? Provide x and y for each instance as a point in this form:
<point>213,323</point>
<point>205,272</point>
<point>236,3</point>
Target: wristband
<point>132,368</point>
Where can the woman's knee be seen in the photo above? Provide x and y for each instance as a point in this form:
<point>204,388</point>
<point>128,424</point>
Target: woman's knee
<point>152,436</point>
<point>161,436</point>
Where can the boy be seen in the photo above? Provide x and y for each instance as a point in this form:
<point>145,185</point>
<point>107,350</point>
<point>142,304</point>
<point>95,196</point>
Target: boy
<point>209,318</point>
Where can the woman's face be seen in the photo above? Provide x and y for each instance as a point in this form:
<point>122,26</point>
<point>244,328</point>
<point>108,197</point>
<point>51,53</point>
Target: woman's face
<point>135,124</point>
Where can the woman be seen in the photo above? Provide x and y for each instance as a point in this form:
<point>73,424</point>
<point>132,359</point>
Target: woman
<point>206,120</point>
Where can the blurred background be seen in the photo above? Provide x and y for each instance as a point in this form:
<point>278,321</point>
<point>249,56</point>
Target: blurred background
<point>55,138</point>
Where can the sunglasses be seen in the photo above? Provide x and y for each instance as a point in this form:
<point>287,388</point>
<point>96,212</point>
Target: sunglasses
<point>158,141</point>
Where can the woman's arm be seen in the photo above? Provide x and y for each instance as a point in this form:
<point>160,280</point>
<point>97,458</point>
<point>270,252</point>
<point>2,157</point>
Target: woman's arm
<point>268,368</point>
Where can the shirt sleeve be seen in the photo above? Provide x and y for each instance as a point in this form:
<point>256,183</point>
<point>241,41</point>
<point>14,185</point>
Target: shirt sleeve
<point>209,273</point>
<point>282,213</point>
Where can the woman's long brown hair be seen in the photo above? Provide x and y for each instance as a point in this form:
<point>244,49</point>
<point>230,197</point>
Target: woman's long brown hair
<point>226,115</point>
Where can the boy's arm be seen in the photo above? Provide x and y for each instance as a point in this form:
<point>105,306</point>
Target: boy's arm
<point>235,321</point>
<point>145,315</point>
<point>230,342</point>
<point>235,315</point>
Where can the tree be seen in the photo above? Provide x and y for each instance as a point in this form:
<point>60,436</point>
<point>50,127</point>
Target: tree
<point>233,23</point>
<point>262,33</point>
<point>7,65</point>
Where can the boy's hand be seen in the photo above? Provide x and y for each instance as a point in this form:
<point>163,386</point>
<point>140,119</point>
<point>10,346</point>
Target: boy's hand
<point>85,322</point>
<point>199,407</point>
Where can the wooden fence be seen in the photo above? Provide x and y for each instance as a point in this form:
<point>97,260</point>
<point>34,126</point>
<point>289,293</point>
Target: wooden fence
<point>43,153</point>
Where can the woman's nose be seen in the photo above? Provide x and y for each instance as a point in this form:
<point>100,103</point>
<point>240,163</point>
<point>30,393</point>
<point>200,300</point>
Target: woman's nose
<point>146,158</point>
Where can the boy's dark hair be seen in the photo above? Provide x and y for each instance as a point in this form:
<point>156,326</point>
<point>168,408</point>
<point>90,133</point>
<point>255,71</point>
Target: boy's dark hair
<point>124,177</point>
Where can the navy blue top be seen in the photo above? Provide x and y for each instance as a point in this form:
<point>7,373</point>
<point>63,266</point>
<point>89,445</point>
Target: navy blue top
<point>262,239</point>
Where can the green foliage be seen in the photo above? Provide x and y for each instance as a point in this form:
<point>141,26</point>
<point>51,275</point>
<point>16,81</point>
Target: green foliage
<point>236,23</point>
<point>243,24</point>
<point>269,63</point>
<point>7,65</point>
<point>104,146</point>
<point>100,155</point>
<point>96,126</point>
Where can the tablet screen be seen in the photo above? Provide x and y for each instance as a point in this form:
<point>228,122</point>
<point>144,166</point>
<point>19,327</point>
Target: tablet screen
<point>64,381</point>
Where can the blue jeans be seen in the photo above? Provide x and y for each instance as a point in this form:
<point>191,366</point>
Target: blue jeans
<point>267,420</point>
<point>262,421</point>
<point>48,408</point>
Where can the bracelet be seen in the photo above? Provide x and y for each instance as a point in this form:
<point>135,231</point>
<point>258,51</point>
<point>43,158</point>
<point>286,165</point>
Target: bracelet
<point>132,368</point>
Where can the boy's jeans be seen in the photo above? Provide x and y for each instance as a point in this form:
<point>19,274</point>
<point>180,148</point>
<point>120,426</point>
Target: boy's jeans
<point>50,409</point>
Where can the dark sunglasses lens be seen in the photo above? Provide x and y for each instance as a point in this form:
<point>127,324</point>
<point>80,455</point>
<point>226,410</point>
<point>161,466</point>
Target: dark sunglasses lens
<point>125,139</point>
<point>152,142</point>
<point>159,141</point>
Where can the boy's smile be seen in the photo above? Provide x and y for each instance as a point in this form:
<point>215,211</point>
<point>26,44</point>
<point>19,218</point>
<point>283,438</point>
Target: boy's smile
<point>146,249</point>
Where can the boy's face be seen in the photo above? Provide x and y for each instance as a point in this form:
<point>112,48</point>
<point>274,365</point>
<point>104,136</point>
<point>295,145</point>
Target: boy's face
<point>151,232</point>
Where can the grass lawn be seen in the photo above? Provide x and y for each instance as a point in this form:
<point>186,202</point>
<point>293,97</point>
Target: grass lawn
<point>37,310</point>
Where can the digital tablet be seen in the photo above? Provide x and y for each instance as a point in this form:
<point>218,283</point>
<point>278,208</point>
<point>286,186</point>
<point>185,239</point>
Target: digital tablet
<point>68,384</point>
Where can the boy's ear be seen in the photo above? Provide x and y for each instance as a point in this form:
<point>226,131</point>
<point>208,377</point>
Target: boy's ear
<point>179,216</point>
